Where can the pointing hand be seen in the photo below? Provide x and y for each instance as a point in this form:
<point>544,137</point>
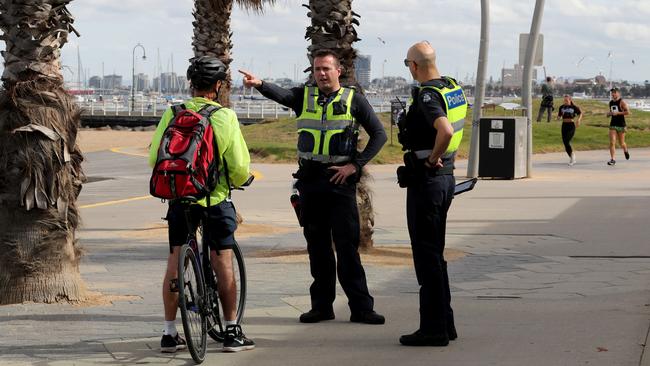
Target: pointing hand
<point>250,80</point>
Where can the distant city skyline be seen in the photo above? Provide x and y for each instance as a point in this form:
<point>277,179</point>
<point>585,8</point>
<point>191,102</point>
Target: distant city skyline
<point>582,38</point>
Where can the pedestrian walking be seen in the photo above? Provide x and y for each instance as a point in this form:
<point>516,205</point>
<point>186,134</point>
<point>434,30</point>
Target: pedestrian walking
<point>547,100</point>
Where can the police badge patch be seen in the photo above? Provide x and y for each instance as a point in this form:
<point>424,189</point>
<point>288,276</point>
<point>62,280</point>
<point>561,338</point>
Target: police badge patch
<point>426,97</point>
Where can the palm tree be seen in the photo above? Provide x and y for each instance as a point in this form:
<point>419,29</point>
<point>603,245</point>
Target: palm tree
<point>39,158</point>
<point>332,27</point>
<point>212,35</point>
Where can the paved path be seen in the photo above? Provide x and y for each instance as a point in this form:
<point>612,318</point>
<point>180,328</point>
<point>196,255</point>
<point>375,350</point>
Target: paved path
<point>556,272</point>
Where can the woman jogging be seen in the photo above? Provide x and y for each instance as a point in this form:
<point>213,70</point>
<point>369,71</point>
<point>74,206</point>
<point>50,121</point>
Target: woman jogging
<point>618,109</point>
<point>568,112</point>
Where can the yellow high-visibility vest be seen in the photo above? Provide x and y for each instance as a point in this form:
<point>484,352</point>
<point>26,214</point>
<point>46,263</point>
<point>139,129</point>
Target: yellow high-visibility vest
<point>321,131</point>
<point>456,108</point>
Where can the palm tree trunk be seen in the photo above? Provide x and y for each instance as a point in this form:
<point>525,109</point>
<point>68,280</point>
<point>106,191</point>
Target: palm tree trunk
<point>212,34</point>
<point>39,158</point>
<point>332,27</point>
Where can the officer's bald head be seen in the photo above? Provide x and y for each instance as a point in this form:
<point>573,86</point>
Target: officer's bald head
<point>421,61</point>
<point>423,54</point>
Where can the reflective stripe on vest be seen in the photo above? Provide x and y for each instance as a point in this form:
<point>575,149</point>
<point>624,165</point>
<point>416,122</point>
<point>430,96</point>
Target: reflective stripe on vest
<point>321,125</point>
<point>456,108</point>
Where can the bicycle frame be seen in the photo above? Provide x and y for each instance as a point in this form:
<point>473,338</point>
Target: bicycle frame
<point>210,308</point>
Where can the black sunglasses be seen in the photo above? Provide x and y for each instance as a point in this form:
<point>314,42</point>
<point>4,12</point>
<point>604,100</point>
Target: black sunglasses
<point>407,62</point>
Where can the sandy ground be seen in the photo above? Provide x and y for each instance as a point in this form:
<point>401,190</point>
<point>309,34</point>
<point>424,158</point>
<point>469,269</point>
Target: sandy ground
<point>386,255</point>
<point>91,140</point>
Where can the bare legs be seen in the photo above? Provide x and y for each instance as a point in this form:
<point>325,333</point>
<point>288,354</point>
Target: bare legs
<point>613,136</point>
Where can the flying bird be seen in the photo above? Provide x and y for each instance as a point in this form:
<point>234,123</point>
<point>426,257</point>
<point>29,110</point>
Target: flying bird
<point>381,40</point>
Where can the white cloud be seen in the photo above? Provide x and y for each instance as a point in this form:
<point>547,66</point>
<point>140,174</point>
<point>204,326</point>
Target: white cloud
<point>572,28</point>
<point>584,8</point>
<point>629,32</point>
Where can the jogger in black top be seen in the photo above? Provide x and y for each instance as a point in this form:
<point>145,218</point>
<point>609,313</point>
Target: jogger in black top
<point>568,112</point>
<point>618,109</point>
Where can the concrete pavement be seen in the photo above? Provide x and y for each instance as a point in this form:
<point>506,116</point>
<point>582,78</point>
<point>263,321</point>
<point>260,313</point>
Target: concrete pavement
<point>556,272</point>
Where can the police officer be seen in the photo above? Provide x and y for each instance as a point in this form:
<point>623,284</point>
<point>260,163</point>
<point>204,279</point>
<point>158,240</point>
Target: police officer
<point>328,118</point>
<point>431,132</point>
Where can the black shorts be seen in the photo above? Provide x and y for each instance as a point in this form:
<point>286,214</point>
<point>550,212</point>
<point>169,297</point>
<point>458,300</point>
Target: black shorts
<point>222,223</point>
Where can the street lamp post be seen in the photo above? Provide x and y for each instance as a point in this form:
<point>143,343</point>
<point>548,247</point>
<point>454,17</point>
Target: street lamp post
<point>144,57</point>
<point>479,89</point>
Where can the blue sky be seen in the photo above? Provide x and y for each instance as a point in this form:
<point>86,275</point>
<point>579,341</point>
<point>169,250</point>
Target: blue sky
<point>273,44</point>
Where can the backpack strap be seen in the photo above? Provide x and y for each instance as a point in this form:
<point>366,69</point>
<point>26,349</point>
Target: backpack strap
<point>178,108</point>
<point>207,112</point>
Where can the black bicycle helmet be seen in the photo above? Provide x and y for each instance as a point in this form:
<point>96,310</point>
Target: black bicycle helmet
<point>204,71</point>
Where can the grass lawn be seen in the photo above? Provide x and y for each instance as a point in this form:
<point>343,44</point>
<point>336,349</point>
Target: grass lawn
<point>275,140</point>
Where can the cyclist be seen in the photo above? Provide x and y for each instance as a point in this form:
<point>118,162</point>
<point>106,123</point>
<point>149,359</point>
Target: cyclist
<point>207,75</point>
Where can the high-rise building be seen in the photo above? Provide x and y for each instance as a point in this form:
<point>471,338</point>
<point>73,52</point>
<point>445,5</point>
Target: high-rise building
<point>169,82</point>
<point>362,70</point>
<point>141,82</point>
<point>513,78</point>
<point>95,82</point>
<point>112,82</point>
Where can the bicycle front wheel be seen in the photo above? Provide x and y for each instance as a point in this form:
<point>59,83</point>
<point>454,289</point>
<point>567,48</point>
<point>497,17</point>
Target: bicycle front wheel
<point>239,269</point>
<point>240,276</point>
<point>191,301</point>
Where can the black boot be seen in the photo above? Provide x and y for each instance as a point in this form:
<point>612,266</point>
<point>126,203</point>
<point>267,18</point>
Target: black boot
<point>420,339</point>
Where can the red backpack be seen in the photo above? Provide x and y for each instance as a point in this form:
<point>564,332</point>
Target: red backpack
<point>188,156</point>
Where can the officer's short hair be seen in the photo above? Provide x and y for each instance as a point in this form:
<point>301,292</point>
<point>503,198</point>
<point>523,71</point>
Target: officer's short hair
<point>327,52</point>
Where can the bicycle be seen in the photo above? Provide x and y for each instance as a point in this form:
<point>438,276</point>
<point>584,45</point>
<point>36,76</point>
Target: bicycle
<point>201,311</point>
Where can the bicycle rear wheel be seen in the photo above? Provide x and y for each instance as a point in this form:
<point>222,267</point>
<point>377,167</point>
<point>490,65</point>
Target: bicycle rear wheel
<point>191,301</point>
<point>239,269</point>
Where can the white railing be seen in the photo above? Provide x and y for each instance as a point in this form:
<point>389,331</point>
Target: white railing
<point>244,109</point>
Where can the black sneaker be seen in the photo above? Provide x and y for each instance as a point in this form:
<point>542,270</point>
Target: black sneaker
<point>627,155</point>
<point>169,344</point>
<point>611,162</point>
<point>315,316</point>
<point>367,317</point>
<point>419,339</point>
<point>235,340</point>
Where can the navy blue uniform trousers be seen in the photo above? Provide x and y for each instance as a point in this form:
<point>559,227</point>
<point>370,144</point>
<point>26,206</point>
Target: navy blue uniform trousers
<point>427,201</point>
<point>329,214</point>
